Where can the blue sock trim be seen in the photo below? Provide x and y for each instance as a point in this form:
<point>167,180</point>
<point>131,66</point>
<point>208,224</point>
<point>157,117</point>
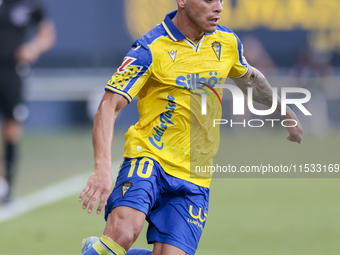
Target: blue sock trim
<point>91,251</point>
<point>106,247</point>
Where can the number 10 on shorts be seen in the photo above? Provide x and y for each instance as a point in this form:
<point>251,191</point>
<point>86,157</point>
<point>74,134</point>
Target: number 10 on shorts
<point>144,167</point>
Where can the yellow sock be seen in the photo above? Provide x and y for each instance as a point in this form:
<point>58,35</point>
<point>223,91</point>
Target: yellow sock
<point>110,245</point>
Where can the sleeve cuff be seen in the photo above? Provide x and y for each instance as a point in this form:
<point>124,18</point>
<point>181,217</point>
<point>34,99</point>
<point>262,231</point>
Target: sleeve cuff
<point>240,76</point>
<point>112,89</point>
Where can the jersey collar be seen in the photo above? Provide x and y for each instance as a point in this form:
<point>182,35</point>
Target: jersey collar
<point>171,29</point>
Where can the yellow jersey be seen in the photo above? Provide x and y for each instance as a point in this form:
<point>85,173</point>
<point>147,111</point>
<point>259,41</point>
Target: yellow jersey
<point>168,73</point>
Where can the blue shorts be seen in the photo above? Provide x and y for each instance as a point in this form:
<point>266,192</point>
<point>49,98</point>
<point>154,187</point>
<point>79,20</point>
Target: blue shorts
<point>175,209</point>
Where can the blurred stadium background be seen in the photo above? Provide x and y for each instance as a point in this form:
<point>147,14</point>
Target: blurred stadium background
<point>293,42</point>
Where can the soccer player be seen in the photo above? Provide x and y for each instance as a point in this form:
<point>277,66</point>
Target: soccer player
<point>164,69</point>
<point>16,18</point>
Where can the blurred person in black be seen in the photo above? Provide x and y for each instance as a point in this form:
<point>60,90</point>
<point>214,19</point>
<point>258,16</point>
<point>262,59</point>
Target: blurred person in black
<point>17,17</point>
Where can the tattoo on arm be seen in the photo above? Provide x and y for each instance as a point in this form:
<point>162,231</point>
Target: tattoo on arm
<point>262,91</point>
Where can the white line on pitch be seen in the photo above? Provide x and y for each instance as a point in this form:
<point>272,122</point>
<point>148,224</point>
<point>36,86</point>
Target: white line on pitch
<point>45,196</point>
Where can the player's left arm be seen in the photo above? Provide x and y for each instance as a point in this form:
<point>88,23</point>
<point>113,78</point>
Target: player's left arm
<point>262,93</point>
<point>43,40</point>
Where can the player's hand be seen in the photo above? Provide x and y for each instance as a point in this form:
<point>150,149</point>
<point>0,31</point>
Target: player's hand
<point>98,187</point>
<point>295,133</point>
<point>27,53</point>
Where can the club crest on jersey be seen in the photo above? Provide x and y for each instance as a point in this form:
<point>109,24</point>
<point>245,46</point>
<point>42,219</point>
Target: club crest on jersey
<point>126,62</point>
<point>172,55</point>
<point>126,187</point>
<point>216,46</point>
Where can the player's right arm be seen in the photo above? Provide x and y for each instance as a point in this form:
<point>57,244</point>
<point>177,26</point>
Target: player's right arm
<point>99,184</point>
<point>123,86</point>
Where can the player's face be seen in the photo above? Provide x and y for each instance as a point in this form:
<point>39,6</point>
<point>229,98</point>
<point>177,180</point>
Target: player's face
<point>204,13</point>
